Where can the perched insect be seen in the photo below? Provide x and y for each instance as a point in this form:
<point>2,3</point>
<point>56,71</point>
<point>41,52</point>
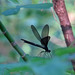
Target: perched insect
<point>44,38</point>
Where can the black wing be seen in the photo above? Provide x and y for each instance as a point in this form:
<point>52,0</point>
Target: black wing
<point>44,35</point>
<point>35,32</point>
<point>45,31</point>
<point>45,40</point>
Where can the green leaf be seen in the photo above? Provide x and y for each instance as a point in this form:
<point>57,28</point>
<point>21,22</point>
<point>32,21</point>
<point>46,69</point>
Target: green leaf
<point>15,67</point>
<point>63,51</point>
<point>53,67</point>
<point>38,65</point>
<point>38,6</point>
<point>11,11</point>
<point>35,6</point>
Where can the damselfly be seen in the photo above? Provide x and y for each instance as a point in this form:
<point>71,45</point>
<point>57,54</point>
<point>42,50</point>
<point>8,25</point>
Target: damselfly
<point>44,38</point>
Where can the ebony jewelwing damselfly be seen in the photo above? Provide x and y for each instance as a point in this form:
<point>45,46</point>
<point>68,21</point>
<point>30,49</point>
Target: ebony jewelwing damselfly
<point>44,38</point>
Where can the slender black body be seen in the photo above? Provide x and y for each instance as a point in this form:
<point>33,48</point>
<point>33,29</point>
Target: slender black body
<point>46,48</point>
<point>44,38</point>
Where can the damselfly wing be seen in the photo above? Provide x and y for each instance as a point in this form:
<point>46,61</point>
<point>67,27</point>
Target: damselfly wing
<point>44,38</point>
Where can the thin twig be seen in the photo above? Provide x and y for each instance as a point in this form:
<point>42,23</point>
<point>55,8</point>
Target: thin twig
<point>13,43</point>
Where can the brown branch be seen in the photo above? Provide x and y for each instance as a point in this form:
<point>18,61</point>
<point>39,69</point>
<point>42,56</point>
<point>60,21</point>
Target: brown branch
<point>60,9</point>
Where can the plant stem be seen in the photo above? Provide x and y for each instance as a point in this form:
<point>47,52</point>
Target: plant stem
<point>12,42</point>
<point>60,9</point>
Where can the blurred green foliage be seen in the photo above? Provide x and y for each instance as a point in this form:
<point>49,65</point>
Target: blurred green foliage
<point>19,26</point>
<point>46,66</point>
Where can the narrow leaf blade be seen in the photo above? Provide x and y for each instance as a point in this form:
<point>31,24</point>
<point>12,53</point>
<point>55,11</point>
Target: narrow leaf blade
<point>11,11</point>
<point>38,6</point>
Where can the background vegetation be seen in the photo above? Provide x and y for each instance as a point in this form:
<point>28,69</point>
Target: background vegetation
<point>19,26</point>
